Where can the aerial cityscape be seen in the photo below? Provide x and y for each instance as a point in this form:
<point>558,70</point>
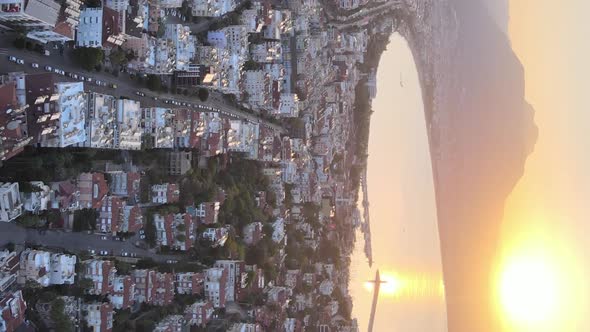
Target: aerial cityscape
<point>173,165</point>
<point>211,165</point>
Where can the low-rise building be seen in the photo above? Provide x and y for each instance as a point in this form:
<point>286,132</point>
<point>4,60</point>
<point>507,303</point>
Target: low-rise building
<point>236,277</point>
<point>125,184</point>
<point>38,198</point>
<point>165,193</point>
<point>123,295</point>
<point>93,188</point>
<point>216,286</point>
<point>173,323</point>
<point>110,215</point>
<point>132,219</point>
<point>153,287</point>
<point>216,236</point>
<point>98,316</point>
<point>12,311</point>
<point>176,231</point>
<point>199,313</point>
<point>190,283</point>
<point>9,267</point>
<point>252,233</point>
<point>213,8</point>
<point>179,162</point>
<point>47,268</point>
<point>207,213</point>
<point>102,275</point>
<point>13,119</point>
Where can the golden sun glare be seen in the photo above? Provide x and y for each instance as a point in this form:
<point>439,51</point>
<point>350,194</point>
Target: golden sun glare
<point>529,290</point>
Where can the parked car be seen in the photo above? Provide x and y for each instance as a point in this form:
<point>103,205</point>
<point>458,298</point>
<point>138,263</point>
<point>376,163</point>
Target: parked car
<point>35,65</point>
<point>139,93</point>
<point>133,254</point>
<point>12,58</point>
<point>142,236</point>
<point>104,252</point>
<point>20,61</point>
<point>91,251</point>
<point>88,79</point>
<point>48,68</point>
<point>114,86</point>
<point>124,254</point>
<point>141,231</point>
<point>104,237</point>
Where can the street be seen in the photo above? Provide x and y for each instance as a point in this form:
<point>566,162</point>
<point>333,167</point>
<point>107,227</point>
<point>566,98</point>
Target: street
<point>73,242</point>
<point>126,86</point>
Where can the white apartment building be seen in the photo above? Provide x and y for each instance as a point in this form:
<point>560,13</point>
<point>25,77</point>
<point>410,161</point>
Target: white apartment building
<point>102,121</point>
<point>37,201</point>
<point>243,137</point>
<point>159,123</point>
<point>41,18</point>
<point>184,42</point>
<point>212,8</point>
<point>235,271</point>
<point>11,206</point>
<point>257,87</point>
<point>98,316</point>
<point>216,286</point>
<point>72,108</point>
<point>102,274</point>
<point>47,268</point>
<point>89,32</point>
<point>128,135</point>
<point>289,105</point>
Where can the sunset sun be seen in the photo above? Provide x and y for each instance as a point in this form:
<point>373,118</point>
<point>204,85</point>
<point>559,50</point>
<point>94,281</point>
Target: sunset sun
<point>529,290</point>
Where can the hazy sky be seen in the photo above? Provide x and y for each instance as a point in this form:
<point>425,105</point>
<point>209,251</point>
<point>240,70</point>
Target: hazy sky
<point>548,212</point>
<point>403,212</point>
<point>547,215</point>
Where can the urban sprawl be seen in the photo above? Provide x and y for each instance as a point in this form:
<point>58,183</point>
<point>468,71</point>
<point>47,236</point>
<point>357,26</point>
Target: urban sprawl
<point>172,165</point>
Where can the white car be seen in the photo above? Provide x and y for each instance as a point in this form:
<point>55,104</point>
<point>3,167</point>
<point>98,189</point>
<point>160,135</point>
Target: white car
<point>20,61</point>
<point>12,59</point>
<point>35,65</point>
<point>91,251</point>
<point>103,237</point>
<point>124,254</point>
<point>142,236</point>
<point>104,252</point>
<point>89,79</point>
<point>48,68</point>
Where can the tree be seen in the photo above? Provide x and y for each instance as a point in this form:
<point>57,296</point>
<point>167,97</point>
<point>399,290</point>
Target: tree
<point>154,83</point>
<point>60,319</point>
<point>85,219</point>
<point>88,57</point>
<point>203,94</point>
<point>29,221</point>
<point>19,43</point>
<point>118,56</point>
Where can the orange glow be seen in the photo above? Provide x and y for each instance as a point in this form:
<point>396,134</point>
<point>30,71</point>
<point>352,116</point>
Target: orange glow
<point>536,285</point>
<point>530,290</point>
